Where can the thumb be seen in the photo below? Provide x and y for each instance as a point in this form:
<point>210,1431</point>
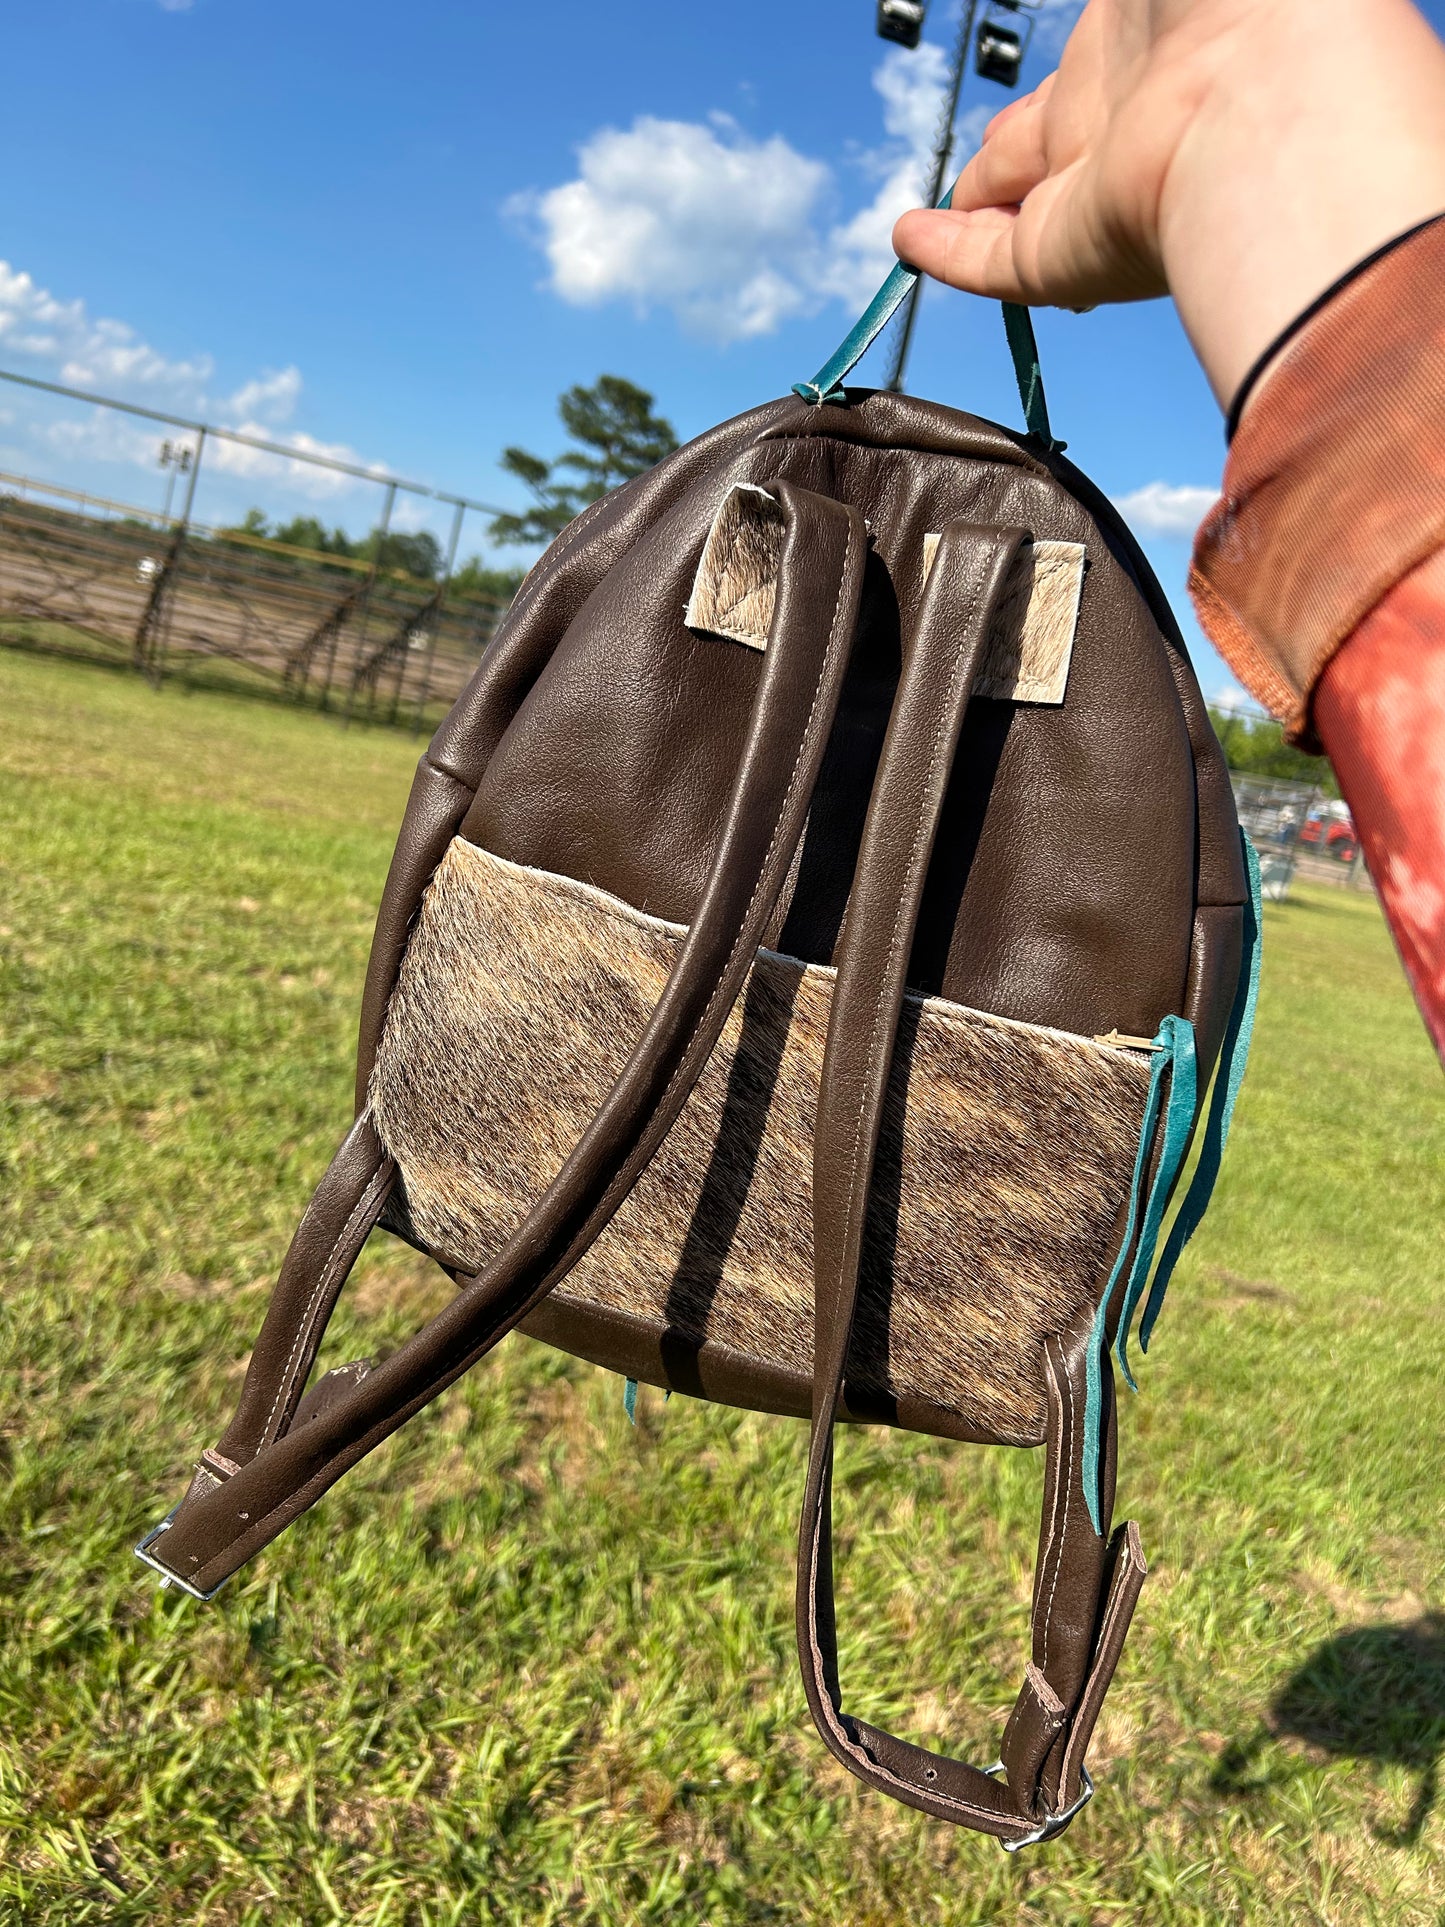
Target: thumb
<point>972,251</point>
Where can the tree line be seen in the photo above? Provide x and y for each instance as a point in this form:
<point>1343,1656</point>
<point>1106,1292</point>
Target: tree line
<point>615,435</point>
<point>1255,746</point>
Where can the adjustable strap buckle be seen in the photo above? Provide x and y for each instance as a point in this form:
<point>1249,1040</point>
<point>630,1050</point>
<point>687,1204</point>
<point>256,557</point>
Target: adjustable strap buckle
<point>168,1578</point>
<point>1052,1824</point>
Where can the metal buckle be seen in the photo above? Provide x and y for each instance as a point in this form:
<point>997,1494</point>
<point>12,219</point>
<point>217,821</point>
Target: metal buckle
<point>168,1578</point>
<point>1052,1823</point>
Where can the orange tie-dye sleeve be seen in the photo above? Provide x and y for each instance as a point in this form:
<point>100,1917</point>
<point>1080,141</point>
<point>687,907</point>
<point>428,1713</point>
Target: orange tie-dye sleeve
<point>1320,574</point>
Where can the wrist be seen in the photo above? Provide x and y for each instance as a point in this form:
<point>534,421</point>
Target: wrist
<point>1264,205</point>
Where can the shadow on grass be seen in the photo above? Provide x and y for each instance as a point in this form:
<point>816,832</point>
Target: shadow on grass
<point>1374,1693</point>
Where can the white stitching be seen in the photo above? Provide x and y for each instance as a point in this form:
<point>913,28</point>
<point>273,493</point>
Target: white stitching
<point>856,1752</point>
<point>322,1280</point>
<point>915,858</point>
<point>530,589</point>
<point>1066,1480</point>
<point>1057,1445</point>
<point>1111,1615</point>
<point>942,1009</point>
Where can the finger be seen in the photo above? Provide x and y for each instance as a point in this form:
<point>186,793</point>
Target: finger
<point>1010,163</point>
<point>1024,102</point>
<point>972,251</point>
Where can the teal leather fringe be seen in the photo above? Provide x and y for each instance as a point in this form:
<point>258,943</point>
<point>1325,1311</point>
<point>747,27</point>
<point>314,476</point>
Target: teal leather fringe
<point>1175,1060</point>
<point>1174,1064</point>
<point>1233,1057</point>
<point>629,1399</point>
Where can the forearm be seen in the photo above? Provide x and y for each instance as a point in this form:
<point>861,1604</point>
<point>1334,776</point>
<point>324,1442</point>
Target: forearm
<point>1317,135</point>
<point>1242,156</point>
<point>1361,642</point>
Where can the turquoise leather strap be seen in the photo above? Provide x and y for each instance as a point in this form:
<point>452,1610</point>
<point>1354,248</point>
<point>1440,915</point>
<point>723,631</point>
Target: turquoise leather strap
<point>827,384</point>
<point>1018,325</point>
<point>1175,1064</point>
<point>1175,1059</point>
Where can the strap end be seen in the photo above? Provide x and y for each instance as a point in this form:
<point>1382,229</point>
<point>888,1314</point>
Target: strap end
<point>816,396</point>
<point>147,1557</point>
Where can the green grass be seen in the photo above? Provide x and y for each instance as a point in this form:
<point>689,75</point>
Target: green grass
<point>192,672</point>
<point>528,1664</point>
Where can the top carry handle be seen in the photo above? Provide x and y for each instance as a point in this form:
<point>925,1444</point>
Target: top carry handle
<point>827,384</point>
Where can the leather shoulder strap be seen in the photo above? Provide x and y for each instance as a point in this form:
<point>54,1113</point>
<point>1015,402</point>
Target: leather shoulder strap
<point>268,1468</point>
<point>1072,1640</point>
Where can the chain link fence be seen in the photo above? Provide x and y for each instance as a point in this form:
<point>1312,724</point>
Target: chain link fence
<point>173,596</point>
<point>1298,831</point>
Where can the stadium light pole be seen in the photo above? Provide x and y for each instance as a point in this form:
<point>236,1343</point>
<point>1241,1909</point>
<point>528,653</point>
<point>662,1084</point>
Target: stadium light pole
<point>942,153</point>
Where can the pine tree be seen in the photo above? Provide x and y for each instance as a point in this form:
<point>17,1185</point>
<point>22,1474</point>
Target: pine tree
<point>617,437</point>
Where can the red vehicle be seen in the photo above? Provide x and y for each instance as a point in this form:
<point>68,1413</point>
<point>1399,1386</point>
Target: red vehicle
<point>1330,831</point>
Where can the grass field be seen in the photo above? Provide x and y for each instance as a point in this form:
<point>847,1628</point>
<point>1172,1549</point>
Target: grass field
<point>527,1664</point>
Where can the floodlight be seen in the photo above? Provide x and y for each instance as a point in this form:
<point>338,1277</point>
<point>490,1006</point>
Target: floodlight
<point>999,53</point>
<point>901,21</point>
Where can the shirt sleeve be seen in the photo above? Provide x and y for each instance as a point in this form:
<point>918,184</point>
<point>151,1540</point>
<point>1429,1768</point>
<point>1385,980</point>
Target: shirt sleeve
<point>1320,574</point>
<point>1380,711</point>
<point>1335,486</point>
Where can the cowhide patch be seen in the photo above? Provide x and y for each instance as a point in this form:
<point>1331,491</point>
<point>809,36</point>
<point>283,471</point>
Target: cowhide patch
<point>736,584</point>
<point>1006,1151</point>
<point>1031,637</point>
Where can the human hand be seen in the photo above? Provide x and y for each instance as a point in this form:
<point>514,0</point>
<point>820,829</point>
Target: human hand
<point>1239,154</point>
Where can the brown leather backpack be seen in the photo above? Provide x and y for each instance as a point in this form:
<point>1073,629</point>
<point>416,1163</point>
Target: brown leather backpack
<point>798,973</point>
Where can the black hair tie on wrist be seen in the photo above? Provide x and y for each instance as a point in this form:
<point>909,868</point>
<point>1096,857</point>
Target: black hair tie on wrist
<point>1306,315</point>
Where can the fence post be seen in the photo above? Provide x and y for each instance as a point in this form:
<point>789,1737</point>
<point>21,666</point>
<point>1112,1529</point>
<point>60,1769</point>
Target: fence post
<point>424,693</point>
<point>363,614</point>
<point>151,633</point>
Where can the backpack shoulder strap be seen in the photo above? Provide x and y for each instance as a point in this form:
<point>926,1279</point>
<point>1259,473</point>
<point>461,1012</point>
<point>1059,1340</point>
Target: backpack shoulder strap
<point>1085,1587</point>
<point>278,1456</point>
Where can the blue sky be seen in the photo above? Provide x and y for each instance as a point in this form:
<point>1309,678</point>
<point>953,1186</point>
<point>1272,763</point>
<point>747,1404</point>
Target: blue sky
<point>398,233</point>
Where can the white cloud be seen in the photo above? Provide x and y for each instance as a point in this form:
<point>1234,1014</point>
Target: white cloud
<point>728,231</point>
<point>107,356</point>
<point>235,458</point>
<point>698,218</point>
<point>911,86</point>
<point>108,436</point>
<point>88,351</point>
<point>85,351</point>
<point>1164,508</point>
<point>409,513</point>
<point>272,396</point>
<point>103,436</point>
<point>856,254</point>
